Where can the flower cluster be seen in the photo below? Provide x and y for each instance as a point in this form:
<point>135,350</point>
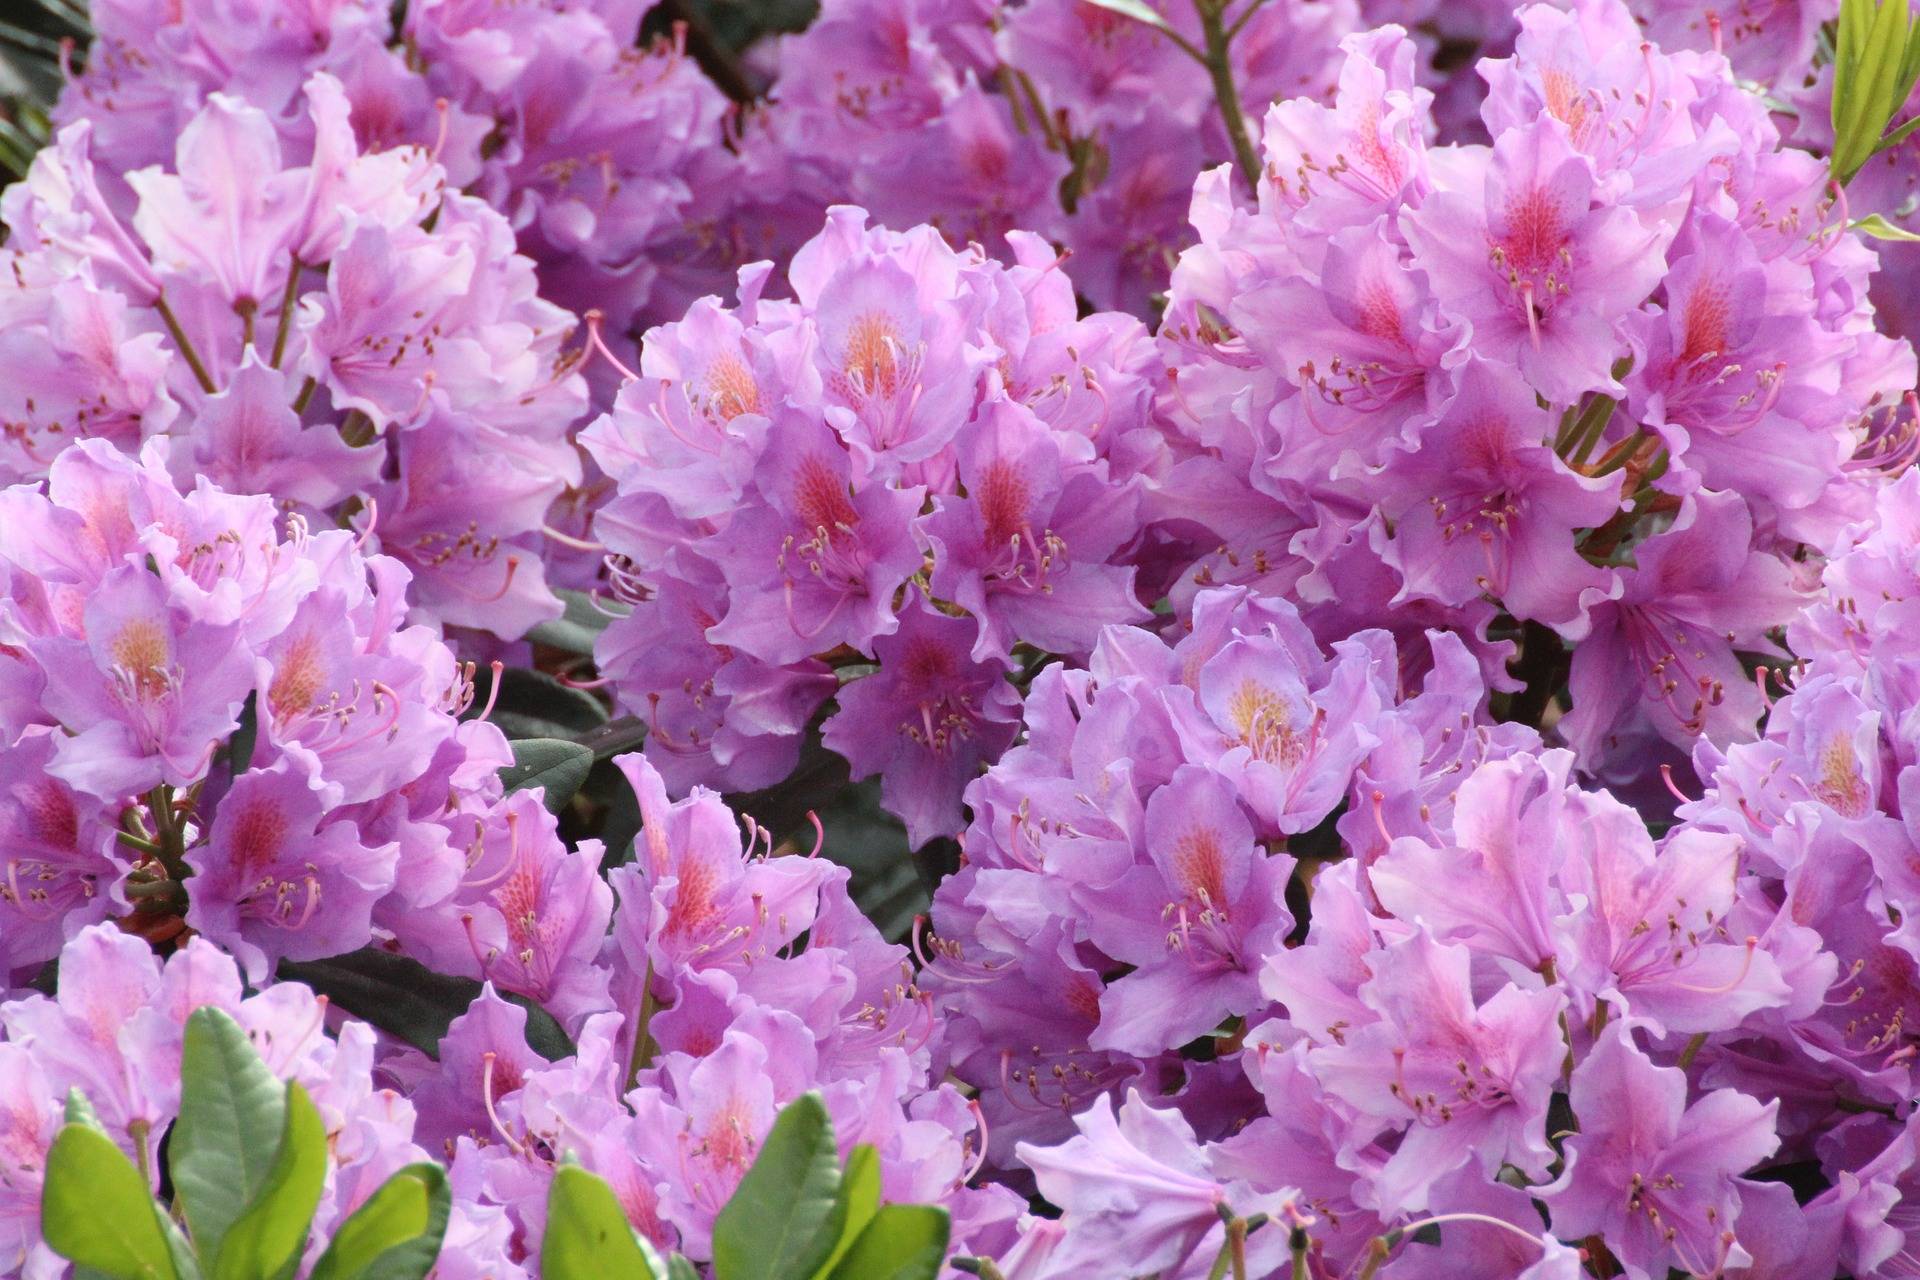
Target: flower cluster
<point>741,980</point>
<point>610,157</point>
<point>357,341</point>
<point>1511,1005</point>
<point>114,1033</point>
<point>1604,377</point>
<point>210,723</point>
<point>924,461</point>
<point>1068,118</point>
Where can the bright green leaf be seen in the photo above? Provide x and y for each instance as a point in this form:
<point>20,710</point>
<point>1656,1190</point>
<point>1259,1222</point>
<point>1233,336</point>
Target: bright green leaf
<point>860,1194</point>
<point>266,1241</point>
<point>588,1235</point>
<point>1138,10</point>
<point>396,1234</point>
<point>553,763</point>
<point>96,1210</point>
<point>903,1242</point>
<point>784,1220</point>
<point>232,1112</point>
<point>1880,229</point>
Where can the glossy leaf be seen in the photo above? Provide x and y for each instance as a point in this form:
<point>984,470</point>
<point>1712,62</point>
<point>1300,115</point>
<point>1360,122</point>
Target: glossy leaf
<point>784,1220</point>
<point>575,630</point>
<point>588,1236</point>
<point>860,1195</point>
<point>903,1242</point>
<point>532,704</point>
<point>97,1212</point>
<point>411,1002</point>
<point>553,763</point>
<point>232,1113</point>
<point>266,1241</point>
<point>396,1234</point>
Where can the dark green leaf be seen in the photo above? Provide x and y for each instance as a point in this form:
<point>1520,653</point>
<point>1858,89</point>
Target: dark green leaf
<point>575,630</point>
<point>532,704</point>
<point>903,1242</point>
<point>588,1236</point>
<point>553,763</point>
<point>240,745</point>
<point>784,1220</point>
<point>616,737</point>
<point>266,1241</point>
<point>396,1234</point>
<point>406,999</point>
<point>232,1113</point>
<point>96,1210</point>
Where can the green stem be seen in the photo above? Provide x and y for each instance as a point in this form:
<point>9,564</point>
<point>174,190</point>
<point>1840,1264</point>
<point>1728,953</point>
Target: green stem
<point>642,1033</point>
<point>357,429</point>
<point>307,388</point>
<point>246,309</point>
<point>1692,1050</point>
<point>287,299</point>
<point>1220,69</point>
<point>1297,1242</point>
<point>179,336</point>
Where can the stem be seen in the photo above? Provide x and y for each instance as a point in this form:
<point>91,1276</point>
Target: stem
<point>307,388</point>
<point>642,1035</point>
<point>246,309</point>
<point>1543,661</point>
<point>1692,1050</point>
<point>138,1130</point>
<point>1245,17</point>
<point>1297,1243</point>
<point>287,299</point>
<point>179,336</point>
<point>1220,69</point>
<point>357,429</point>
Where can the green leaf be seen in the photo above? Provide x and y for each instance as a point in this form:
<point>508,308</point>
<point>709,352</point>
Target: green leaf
<point>232,1113</point>
<point>245,735</point>
<point>554,763</point>
<point>903,1242</point>
<point>96,1211</point>
<point>532,704</point>
<point>396,1234</point>
<point>860,1195</point>
<point>406,999</point>
<point>1138,10</point>
<point>784,1220</point>
<point>266,1241</point>
<point>1880,229</point>
<point>577,628</point>
<point>588,1235</point>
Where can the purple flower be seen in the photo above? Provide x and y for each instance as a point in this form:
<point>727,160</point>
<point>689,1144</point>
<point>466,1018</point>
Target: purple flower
<point>1193,923</point>
<point>1697,591</point>
<point>1137,1185</point>
<point>274,881</point>
<point>1650,1174</point>
<point>1523,246</point>
<point>1462,1080</point>
<point>1027,549</point>
<point>816,563</point>
<point>926,720</point>
<point>1486,507</point>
